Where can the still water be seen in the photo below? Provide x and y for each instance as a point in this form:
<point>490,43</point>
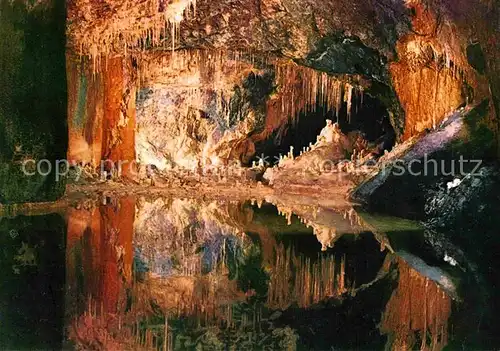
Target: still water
<point>186,274</point>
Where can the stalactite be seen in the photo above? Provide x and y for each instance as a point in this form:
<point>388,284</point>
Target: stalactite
<point>301,89</point>
<point>110,31</point>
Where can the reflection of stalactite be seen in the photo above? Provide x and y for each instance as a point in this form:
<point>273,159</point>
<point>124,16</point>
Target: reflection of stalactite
<point>94,330</point>
<point>325,231</point>
<point>417,313</point>
<point>300,280</point>
<point>204,297</point>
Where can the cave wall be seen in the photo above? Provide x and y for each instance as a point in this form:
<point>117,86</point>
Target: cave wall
<point>32,99</point>
<point>198,107</point>
<point>427,95</point>
<point>192,108</point>
<point>413,52</point>
<point>431,74</point>
<point>85,113</point>
<point>273,28</point>
<point>101,110</point>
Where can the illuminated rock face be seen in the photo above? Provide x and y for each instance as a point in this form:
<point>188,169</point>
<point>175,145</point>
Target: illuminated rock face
<point>188,110</point>
<point>212,107</point>
<point>429,77</point>
<point>196,106</point>
<point>101,109</point>
<point>427,95</point>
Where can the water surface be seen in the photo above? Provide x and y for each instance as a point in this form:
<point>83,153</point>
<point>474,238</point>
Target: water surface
<point>186,274</point>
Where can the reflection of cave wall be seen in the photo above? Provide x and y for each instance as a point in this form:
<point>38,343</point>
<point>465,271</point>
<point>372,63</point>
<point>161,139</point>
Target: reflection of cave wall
<point>32,299</point>
<point>417,313</point>
<point>116,272</point>
<point>99,255</point>
<point>188,237</point>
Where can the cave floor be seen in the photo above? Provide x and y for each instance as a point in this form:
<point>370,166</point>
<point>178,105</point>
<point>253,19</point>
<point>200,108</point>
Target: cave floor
<point>335,197</point>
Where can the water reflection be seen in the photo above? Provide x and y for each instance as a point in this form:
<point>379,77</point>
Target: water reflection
<point>32,284</point>
<point>180,274</point>
<point>417,313</point>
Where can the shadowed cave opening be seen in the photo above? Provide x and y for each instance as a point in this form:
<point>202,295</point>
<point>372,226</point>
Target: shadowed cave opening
<point>369,118</point>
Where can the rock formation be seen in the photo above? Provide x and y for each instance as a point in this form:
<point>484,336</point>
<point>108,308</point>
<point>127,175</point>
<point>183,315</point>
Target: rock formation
<point>214,85</point>
<point>185,84</point>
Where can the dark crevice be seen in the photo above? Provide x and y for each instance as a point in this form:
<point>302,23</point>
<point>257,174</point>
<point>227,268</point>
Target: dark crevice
<point>368,116</point>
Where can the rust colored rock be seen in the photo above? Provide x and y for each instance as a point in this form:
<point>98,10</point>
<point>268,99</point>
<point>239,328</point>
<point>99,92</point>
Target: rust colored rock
<point>427,96</point>
<point>103,236</point>
<point>101,106</point>
<point>119,114</point>
<point>418,307</point>
<point>85,113</point>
